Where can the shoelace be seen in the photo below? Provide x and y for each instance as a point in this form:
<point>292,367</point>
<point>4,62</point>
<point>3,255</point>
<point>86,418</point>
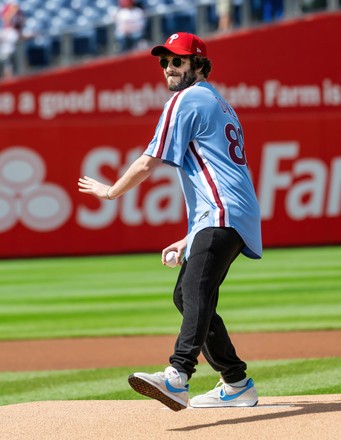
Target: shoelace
<point>165,375</point>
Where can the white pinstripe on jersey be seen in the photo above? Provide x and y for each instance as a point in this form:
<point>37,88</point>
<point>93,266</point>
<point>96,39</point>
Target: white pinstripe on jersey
<point>211,184</point>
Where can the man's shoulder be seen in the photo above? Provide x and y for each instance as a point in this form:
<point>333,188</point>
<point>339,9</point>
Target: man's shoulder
<point>202,87</point>
<point>198,93</point>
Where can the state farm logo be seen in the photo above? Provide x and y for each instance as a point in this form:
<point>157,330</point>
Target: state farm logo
<point>311,186</point>
<point>25,197</point>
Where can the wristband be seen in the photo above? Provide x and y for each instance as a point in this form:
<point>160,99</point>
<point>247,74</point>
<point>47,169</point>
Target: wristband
<point>108,193</point>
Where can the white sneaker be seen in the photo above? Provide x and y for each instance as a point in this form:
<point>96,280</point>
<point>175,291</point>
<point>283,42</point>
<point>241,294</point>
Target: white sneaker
<point>224,395</point>
<point>165,387</point>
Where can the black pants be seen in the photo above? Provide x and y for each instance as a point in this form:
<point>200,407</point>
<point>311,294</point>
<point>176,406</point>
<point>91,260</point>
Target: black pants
<point>196,297</point>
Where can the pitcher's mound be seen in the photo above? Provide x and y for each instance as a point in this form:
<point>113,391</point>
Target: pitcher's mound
<point>301,417</point>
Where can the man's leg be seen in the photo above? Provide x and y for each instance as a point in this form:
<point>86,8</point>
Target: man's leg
<point>221,354</point>
<point>196,297</point>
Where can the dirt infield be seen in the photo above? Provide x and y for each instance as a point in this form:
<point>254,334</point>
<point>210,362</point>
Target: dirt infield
<point>130,351</point>
<point>289,418</point>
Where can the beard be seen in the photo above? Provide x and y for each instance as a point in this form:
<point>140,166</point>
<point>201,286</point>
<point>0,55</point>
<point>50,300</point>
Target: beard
<point>187,79</point>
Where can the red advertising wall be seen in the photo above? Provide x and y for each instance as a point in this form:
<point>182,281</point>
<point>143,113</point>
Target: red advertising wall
<point>285,83</point>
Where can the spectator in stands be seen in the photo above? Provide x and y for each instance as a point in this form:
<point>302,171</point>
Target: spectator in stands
<point>256,10</point>
<point>12,22</point>
<point>230,13</point>
<point>130,23</point>
<point>224,15</point>
<point>272,10</point>
<point>180,16</point>
<point>237,12</point>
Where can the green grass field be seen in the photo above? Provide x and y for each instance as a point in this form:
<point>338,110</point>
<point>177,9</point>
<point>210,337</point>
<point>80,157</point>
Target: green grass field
<point>289,289</point>
<point>272,378</point>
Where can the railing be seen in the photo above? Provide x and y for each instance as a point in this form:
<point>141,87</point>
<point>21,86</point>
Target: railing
<point>156,35</point>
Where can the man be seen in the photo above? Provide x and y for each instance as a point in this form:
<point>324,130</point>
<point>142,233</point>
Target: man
<point>130,24</point>
<point>12,22</point>
<point>199,133</point>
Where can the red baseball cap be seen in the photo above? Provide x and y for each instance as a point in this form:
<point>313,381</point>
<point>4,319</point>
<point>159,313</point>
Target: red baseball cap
<point>182,43</point>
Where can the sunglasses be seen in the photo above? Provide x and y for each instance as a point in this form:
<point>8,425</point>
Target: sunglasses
<point>175,61</point>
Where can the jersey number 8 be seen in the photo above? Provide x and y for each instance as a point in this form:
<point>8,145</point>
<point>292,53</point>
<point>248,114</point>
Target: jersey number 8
<point>236,144</point>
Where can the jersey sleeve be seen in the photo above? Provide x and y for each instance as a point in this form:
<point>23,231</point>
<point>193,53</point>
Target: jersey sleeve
<point>176,128</point>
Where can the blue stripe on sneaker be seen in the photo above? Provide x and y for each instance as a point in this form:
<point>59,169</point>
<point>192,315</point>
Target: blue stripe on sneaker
<point>227,397</point>
<point>171,389</point>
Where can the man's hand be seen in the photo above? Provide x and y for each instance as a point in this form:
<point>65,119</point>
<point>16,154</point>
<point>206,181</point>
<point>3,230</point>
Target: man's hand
<point>91,186</point>
<point>179,247</point>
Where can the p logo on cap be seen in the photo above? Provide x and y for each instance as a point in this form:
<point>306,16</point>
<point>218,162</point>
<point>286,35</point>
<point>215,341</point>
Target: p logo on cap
<point>172,38</point>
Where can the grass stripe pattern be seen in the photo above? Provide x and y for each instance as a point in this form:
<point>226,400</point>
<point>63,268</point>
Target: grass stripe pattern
<point>289,289</point>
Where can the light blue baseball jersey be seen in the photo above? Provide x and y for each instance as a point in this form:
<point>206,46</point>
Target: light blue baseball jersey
<point>200,134</point>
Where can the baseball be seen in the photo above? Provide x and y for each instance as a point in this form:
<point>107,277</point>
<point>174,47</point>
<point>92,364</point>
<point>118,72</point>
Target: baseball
<point>171,259</point>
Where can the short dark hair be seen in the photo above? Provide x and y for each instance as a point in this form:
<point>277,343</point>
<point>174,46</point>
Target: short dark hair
<point>198,61</point>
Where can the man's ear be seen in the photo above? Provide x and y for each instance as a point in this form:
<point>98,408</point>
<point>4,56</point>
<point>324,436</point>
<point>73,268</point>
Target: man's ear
<point>199,70</point>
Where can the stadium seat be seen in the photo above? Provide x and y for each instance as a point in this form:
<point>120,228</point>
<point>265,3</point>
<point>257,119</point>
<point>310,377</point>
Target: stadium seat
<point>84,43</point>
<point>87,20</point>
<point>101,38</point>
<point>38,52</point>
